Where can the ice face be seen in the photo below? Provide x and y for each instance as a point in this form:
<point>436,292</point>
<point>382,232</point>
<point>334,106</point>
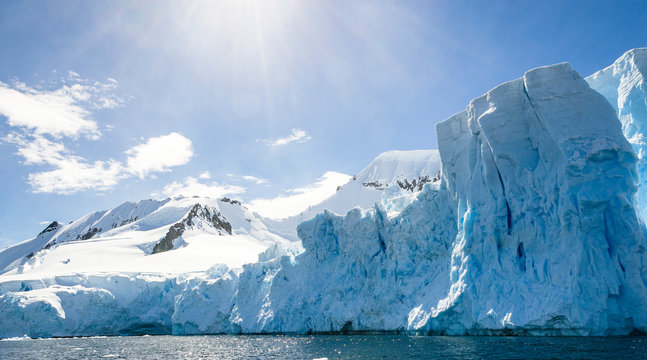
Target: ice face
<point>359,271</point>
<point>119,304</point>
<point>543,181</point>
<point>623,85</point>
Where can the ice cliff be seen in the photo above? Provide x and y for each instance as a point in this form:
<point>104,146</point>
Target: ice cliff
<point>623,84</point>
<point>532,228</point>
<point>549,241</point>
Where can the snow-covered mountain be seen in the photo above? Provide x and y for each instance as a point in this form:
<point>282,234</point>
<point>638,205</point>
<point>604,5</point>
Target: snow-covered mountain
<point>533,228</point>
<point>391,175</point>
<point>139,237</point>
<point>133,231</point>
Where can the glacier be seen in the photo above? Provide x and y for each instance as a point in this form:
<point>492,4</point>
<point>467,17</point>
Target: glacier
<point>549,240</point>
<point>532,231</point>
<point>532,226</point>
<point>623,85</point>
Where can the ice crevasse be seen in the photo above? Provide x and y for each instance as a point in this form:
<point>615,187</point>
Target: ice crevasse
<point>533,230</point>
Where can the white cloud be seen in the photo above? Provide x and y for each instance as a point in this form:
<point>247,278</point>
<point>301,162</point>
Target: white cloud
<point>295,136</point>
<point>204,175</point>
<point>255,179</point>
<point>73,75</point>
<point>42,120</point>
<point>193,187</point>
<point>300,198</point>
<point>250,178</point>
<point>37,150</point>
<point>74,175</point>
<point>37,116</point>
<point>61,112</point>
<point>159,154</point>
<point>55,112</point>
<point>71,173</point>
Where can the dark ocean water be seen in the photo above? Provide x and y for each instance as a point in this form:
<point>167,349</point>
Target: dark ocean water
<point>331,347</point>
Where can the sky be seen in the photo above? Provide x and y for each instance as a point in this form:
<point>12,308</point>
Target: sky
<point>271,102</point>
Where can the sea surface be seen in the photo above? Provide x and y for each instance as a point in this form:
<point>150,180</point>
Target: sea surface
<point>323,346</point>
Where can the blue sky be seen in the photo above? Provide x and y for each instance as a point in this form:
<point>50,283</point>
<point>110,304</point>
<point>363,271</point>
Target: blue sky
<point>107,101</point>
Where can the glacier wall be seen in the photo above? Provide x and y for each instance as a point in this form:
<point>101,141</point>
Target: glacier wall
<point>81,305</point>
<point>623,85</point>
<point>361,271</point>
<point>548,236</point>
<point>119,304</point>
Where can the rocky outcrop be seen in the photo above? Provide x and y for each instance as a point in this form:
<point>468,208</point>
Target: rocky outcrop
<point>88,234</point>
<point>197,215</point>
<point>230,201</point>
<point>417,184</point>
<point>51,227</point>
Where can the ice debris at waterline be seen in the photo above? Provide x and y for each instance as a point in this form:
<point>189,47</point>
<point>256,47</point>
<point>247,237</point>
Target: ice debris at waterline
<point>533,228</point>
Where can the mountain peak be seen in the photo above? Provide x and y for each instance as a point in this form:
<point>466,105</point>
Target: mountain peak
<point>394,165</point>
<point>51,227</point>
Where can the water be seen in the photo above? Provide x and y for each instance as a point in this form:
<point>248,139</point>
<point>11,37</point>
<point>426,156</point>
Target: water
<point>331,347</point>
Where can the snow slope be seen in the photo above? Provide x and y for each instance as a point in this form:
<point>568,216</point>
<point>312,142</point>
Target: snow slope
<point>123,239</point>
<point>392,174</point>
<point>624,86</point>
